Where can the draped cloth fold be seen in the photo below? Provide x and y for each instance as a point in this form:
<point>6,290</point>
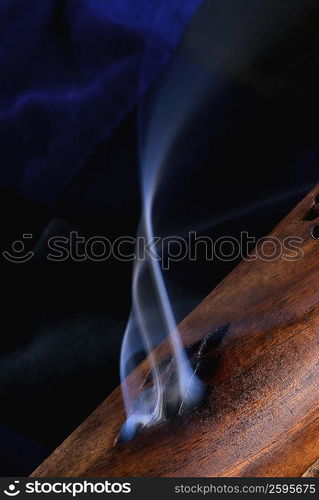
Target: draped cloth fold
<point>71,70</point>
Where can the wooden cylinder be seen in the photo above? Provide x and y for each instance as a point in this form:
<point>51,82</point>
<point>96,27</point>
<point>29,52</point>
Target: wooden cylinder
<point>261,415</point>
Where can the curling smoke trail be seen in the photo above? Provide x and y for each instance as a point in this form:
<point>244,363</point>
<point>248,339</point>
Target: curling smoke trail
<point>152,316</point>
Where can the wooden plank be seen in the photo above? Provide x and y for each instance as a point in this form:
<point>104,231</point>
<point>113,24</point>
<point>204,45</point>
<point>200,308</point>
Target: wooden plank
<point>261,415</point>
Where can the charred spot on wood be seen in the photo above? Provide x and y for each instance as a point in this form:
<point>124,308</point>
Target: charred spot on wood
<point>162,366</point>
<point>313,213</point>
<point>205,368</point>
<point>171,402</point>
<point>192,349</point>
<point>315,232</point>
<point>212,341</point>
<point>191,404</point>
<point>207,347</point>
<point>203,356</point>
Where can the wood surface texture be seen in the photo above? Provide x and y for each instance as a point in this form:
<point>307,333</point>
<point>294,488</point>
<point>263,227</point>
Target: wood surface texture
<point>261,414</point>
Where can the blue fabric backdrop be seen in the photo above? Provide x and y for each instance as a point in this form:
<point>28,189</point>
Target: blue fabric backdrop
<point>70,71</point>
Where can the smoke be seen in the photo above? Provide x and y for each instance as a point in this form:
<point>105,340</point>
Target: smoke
<point>163,118</point>
<point>229,42</point>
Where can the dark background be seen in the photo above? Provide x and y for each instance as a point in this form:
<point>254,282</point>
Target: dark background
<point>62,323</point>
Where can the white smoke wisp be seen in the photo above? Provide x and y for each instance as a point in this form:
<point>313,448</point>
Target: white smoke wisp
<point>152,316</point>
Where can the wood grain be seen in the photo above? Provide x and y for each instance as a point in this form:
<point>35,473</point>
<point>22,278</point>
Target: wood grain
<point>261,416</point>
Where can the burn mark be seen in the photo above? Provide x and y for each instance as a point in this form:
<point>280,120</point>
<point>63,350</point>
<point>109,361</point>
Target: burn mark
<point>203,356</point>
<point>313,213</point>
<point>204,359</point>
<point>212,341</point>
<point>315,232</point>
<point>163,366</point>
<point>192,349</point>
<point>205,367</point>
<point>206,355</point>
<point>191,404</point>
